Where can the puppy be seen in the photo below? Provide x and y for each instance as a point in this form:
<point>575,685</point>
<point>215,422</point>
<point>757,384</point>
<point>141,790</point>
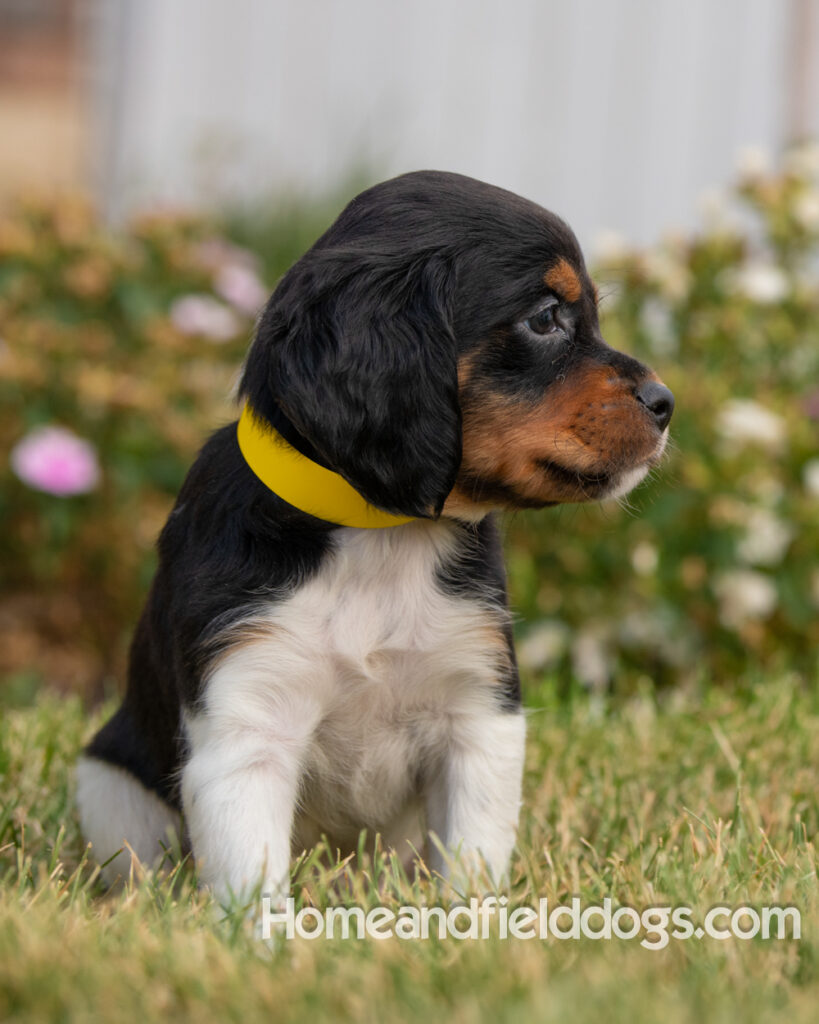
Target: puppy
<point>326,646</point>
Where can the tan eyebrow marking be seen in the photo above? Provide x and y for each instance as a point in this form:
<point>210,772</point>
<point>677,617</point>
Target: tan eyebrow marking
<point>562,278</point>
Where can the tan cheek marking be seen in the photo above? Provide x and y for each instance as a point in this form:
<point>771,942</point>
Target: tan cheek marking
<point>504,439</point>
<point>587,426</point>
<point>466,366</point>
<point>562,278</point>
<point>510,453</point>
<point>460,504</point>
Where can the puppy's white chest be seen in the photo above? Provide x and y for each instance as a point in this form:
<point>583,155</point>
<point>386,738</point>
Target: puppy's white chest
<point>378,603</point>
<point>391,659</point>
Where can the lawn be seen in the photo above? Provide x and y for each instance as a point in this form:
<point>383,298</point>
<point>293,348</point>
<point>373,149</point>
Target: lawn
<point>682,800</point>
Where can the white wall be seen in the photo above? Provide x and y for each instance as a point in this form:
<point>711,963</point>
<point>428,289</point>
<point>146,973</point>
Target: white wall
<point>615,113</point>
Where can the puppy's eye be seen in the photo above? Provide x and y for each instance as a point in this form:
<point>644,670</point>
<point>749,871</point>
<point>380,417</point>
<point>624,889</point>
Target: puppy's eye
<point>544,321</point>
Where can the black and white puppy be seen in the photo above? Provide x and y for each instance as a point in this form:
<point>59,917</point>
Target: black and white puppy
<point>437,353</point>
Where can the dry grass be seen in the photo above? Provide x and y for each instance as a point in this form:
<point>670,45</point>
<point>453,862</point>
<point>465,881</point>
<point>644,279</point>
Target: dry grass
<point>673,802</point>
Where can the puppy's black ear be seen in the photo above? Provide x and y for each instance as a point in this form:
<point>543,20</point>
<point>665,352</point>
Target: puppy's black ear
<point>357,350</point>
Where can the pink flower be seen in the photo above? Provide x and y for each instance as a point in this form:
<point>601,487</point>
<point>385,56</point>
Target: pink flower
<point>241,287</point>
<point>202,314</point>
<point>811,405</point>
<point>216,252</point>
<point>55,460</point>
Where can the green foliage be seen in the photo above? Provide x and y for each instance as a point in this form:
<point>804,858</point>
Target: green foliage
<point>711,566</point>
<point>90,343</point>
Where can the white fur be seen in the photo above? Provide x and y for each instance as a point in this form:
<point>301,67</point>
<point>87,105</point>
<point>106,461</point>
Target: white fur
<point>115,808</point>
<point>365,691</point>
<point>629,480</point>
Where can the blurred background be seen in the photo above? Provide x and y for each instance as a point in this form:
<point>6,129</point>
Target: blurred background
<point>162,163</point>
<point>619,114</point>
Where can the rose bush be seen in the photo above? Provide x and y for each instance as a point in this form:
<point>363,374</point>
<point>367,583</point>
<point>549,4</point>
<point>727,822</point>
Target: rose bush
<point>117,357</point>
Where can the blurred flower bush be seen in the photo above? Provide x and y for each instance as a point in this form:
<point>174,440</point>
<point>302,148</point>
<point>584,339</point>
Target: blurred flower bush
<point>713,568</point>
<point>117,358</point>
<point>118,353</point>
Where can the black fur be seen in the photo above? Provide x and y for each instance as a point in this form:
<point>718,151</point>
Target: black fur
<point>229,544</point>
<point>478,572</point>
<point>358,344</point>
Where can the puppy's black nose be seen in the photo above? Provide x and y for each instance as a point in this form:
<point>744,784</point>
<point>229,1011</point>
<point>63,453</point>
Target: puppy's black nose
<point>658,400</point>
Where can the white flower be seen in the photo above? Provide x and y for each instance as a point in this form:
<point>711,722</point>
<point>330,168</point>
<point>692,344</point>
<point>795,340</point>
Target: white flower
<point>659,326</point>
<point>642,629</point>
<point>753,162</point>
<point>202,314</point>
<point>590,658</point>
<point>241,287</point>
<point>766,539</point>
<point>609,247</point>
<point>810,477</point>
<point>654,630</point>
<point>806,210</point>
<point>744,595</point>
<point>644,558</point>
<point>713,202</point>
<point>760,282</point>
<point>668,272</point>
<point>803,160</point>
<point>742,421</point>
<point>766,489</point>
<point>719,215</point>
<point>543,645</point>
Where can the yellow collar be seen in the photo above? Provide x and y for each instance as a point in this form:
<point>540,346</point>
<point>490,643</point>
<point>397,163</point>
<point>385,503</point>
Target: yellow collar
<point>304,484</point>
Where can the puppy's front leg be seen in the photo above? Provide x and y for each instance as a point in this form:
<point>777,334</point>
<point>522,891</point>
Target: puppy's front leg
<point>241,783</point>
<point>474,800</point>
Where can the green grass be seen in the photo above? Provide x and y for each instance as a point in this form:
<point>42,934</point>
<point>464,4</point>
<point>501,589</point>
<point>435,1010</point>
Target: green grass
<point>679,801</point>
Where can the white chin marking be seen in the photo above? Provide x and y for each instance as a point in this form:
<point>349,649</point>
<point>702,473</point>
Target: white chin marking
<point>628,481</point>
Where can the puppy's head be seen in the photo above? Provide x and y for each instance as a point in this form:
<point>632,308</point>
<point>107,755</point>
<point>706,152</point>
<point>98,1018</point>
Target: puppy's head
<point>439,347</point>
